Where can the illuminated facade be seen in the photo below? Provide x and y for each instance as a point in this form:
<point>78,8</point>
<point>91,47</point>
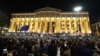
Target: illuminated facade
<point>51,20</point>
<point>96,28</point>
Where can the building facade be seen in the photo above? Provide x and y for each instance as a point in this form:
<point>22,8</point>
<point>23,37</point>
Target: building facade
<point>51,20</point>
<point>96,28</point>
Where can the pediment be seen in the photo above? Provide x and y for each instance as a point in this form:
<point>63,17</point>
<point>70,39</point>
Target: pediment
<point>48,9</point>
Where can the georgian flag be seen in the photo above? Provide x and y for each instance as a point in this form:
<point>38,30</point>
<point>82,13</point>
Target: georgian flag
<point>24,28</point>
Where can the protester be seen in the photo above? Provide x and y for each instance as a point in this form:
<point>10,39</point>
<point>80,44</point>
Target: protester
<point>37,46</point>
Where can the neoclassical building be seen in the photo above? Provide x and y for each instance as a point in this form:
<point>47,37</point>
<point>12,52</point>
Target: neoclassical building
<point>51,20</point>
<point>96,28</point>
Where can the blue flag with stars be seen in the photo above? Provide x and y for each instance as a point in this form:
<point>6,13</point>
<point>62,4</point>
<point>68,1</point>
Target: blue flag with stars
<point>24,28</point>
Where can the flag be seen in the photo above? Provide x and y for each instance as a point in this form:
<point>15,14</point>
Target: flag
<point>24,28</point>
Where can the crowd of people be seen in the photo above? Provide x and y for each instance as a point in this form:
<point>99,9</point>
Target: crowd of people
<point>32,46</point>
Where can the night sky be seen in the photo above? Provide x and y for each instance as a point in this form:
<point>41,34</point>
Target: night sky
<point>7,7</point>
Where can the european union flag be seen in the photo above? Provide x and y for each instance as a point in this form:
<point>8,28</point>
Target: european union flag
<point>24,28</point>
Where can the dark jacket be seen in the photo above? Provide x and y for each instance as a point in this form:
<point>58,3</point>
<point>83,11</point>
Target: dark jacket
<point>84,51</point>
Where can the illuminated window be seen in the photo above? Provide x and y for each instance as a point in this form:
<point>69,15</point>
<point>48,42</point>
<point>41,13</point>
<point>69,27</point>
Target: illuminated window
<point>73,28</point>
<point>67,28</point>
<point>39,24</point>
<point>72,22</point>
<point>67,25</point>
<point>33,24</point>
<point>72,25</point>
<point>63,28</point>
<point>62,25</point>
<point>53,26</point>
<point>62,21</point>
<point>67,21</point>
<point>32,28</point>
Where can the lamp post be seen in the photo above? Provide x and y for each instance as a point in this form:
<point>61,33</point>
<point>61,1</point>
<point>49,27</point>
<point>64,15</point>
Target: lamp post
<point>77,9</point>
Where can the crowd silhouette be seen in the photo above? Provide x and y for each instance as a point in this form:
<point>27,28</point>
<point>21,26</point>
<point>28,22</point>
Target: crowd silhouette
<point>32,46</point>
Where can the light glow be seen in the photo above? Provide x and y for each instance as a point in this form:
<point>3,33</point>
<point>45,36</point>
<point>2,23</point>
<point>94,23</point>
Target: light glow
<point>78,8</point>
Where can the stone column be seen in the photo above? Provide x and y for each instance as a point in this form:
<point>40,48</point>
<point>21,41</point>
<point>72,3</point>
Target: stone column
<point>12,24</point>
<point>36,25</point>
<point>57,25</point>
<point>60,24</point>
<point>17,24</point>
<point>40,27</point>
<point>75,24</point>
<point>78,24</point>
<point>50,30</point>
<point>81,25</point>
<point>31,25</point>
<point>22,23</point>
<point>52,24</point>
<point>89,28</point>
<point>39,22</point>
<point>87,25</point>
<point>44,25</point>
<point>70,29</point>
<point>63,25</point>
<point>68,25</point>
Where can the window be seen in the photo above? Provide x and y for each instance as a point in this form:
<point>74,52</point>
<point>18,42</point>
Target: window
<point>67,28</point>
<point>33,24</point>
<point>72,22</point>
<point>63,28</point>
<point>67,21</point>
<point>67,25</point>
<point>72,25</point>
<point>53,26</point>
<point>62,24</point>
<point>73,28</point>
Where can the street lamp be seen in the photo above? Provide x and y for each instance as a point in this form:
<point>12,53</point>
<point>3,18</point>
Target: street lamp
<point>78,9</point>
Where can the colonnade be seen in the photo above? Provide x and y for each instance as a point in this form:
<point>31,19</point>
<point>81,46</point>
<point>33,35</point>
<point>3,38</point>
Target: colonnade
<point>51,24</point>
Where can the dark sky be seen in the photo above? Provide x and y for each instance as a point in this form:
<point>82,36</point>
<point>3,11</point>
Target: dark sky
<point>7,7</point>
